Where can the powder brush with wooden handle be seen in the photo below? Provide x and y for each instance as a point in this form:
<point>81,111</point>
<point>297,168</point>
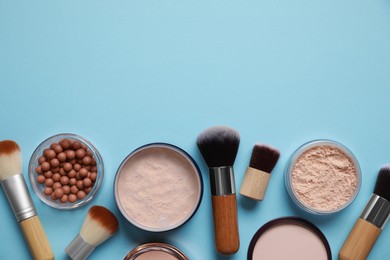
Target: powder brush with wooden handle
<point>15,189</point>
<point>219,146</point>
<point>369,226</point>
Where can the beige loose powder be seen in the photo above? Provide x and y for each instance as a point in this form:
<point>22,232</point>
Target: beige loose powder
<point>158,188</point>
<point>324,178</point>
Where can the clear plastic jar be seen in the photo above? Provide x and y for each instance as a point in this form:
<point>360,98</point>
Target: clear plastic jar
<point>293,160</point>
<point>39,188</point>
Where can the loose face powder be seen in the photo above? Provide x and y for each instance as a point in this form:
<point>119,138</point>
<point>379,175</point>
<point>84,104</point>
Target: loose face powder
<point>153,255</point>
<point>289,238</point>
<point>324,176</point>
<point>153,251</point>
<point>158,187</point>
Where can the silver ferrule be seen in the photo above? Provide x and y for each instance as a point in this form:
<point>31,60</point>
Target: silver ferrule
<point>19,198</point>
<point>222,181</point>
<point>79,249</point>
<point>377,211</point>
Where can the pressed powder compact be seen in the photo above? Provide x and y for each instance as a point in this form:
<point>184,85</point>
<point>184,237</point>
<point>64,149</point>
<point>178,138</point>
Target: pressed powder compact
<point>289,238</point>
<point>153,251</point>
<point>158,187</point>
<point>323,177</point>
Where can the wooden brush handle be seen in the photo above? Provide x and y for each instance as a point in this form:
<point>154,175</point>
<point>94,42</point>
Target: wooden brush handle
<point>36,239</point>
<point>360,241</point>
<point>226,224</point>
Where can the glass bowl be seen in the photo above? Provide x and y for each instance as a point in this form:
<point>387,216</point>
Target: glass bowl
<point>298,153</point>
<point>39,188</point>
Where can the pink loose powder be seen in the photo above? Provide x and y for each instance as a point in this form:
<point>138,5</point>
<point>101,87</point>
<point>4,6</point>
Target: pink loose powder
<point>154,255</point>
<point>158,188</point>
<point>289,241</point>
<point>324,178</point>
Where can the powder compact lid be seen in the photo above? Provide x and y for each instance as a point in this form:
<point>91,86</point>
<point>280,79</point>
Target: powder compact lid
<point>289,238</point>
<point>323,177</point>
<point>153,251</point>
<point>158,187</point>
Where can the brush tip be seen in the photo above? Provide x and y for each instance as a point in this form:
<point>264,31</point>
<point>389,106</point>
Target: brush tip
<point>99,225</point>
<point>264,157</point>
<point>382,186</point>
<point>8,147</point>
<point>104,217</point>
<point>219,145</point>
<point>10,159</point>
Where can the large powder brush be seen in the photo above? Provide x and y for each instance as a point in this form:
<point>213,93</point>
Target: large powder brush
<point>369,226</point>
<point>99,225</point>
<point>219,146</point>
<point>257,175</point>
<point>19,198</point>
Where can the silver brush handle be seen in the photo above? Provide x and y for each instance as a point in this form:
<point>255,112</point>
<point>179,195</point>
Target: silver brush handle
<point>377,211</point>
<point>222,181</point>
<point>79,249</point>
<point>19,198</point>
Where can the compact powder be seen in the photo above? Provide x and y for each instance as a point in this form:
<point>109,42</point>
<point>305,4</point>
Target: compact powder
<point>289,238</point>
<point>158,187</point>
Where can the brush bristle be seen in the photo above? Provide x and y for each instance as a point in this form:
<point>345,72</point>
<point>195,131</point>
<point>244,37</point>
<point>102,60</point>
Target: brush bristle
<point>264,157</point>
<point>219,145</point>
<point>382,186</point>
<point>99,225</point>
<point>10,159</point>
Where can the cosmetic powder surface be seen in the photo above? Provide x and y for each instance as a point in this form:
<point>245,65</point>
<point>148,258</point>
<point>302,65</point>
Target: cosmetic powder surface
<point>156,255</point>
<point>158,188</point>
<point>289,241</point>
<point>324,178</point>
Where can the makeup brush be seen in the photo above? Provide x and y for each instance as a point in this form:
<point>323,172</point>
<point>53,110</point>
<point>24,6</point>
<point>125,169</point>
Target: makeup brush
<point>19,198</point>
<point>218,146</point>
<point>99,225</point>
<point>371,222</point>
<point>257,175</point>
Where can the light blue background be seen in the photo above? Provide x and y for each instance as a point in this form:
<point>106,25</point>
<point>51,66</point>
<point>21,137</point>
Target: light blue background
<point>126,73</point>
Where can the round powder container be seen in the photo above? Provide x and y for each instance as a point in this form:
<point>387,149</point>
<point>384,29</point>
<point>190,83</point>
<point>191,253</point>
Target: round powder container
<point>39,188</point>
<point>158,187</point>
<point>153,251</point>
<point>289,238</point>
<point>323,177</point>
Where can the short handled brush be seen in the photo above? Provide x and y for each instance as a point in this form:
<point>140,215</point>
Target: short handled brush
<point>257,175</point>
<point>99,225</point>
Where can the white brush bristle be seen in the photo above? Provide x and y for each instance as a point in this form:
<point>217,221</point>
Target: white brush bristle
<point>10,164</point>
<point>94,232</point>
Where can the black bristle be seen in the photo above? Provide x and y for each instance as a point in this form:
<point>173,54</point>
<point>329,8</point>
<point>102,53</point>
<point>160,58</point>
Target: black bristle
<point>382,186</point>
<point>264,157</point>
<point>219,145</point>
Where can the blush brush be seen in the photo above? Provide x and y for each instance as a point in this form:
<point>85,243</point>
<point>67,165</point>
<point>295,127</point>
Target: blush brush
<point>257,175</point>
<point>19,198</point>
<point>218,146</point>
<point>372,220</point>
<point>99,225</point>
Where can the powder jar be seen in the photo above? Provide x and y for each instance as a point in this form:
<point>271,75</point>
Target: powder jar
<point>296,238</point>
<point>158,187</point>
<point>322,177</point>
<point>161,251</point>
